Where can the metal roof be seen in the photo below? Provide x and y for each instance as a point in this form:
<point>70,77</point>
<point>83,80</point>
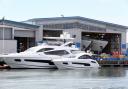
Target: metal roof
<point>18,24</point>
<point>77,18</point>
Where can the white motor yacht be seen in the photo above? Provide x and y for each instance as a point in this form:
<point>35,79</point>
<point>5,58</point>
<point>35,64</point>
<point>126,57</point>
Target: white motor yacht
<point>39,56</point>
<point>77,61</point>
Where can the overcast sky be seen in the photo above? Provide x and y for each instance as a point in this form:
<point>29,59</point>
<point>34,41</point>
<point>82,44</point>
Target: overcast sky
<point>115,11</point>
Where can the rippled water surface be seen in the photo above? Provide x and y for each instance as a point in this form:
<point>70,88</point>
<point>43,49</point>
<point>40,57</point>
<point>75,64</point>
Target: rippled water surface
<point>103,78</point>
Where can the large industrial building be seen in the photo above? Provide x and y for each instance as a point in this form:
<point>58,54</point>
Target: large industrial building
<point>87,33</point>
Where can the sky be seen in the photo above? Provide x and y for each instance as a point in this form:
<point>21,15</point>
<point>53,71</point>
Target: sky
<point>113,11</point>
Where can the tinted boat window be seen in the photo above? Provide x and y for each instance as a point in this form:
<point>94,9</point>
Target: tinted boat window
<point>45,49</point>
<point>85,57</point>
<point>57,52</point>
<point>17,60</point>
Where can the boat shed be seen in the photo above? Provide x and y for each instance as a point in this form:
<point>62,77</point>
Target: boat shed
<point>89,34</point>
<point>17,36</point>
<point>98,36</point>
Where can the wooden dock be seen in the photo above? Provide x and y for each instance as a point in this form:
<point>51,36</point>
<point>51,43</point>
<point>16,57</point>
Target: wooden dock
<point>113,63</point>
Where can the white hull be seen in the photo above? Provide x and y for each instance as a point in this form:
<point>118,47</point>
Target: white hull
<point>98,45</point>
<point>29,66</point>
<point>75,64</point>
<point>86,43</point>
<point>29,62</point>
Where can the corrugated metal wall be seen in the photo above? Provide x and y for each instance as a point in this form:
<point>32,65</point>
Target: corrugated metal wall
<point>7,33</point>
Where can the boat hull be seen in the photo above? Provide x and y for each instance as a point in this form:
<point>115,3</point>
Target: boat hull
<point>75,64</point>
<point>29,62</point>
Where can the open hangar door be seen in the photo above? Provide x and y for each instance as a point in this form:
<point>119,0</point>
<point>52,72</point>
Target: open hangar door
<point>24,43</point>
<point>101,42</point>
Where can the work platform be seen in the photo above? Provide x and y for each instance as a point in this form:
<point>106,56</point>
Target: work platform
<point>113,63</point>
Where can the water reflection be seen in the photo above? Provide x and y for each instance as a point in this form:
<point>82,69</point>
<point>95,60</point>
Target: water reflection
<point>112,72</point>
<point>103,78</point>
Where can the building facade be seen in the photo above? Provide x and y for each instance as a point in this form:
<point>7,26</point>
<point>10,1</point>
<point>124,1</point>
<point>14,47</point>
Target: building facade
<point>18,36</point>
<point>85,29</point>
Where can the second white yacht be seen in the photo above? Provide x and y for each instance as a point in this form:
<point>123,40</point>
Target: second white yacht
<point>77,61</point>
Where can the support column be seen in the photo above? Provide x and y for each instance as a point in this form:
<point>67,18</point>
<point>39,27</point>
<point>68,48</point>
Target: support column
<point>39,34</point>
<point>13,33</point>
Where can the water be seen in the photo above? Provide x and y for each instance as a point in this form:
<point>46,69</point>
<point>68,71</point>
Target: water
<point>103,78</point>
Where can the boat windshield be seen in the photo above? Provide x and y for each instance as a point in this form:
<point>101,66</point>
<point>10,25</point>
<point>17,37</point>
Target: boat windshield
<point>85,57</point>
